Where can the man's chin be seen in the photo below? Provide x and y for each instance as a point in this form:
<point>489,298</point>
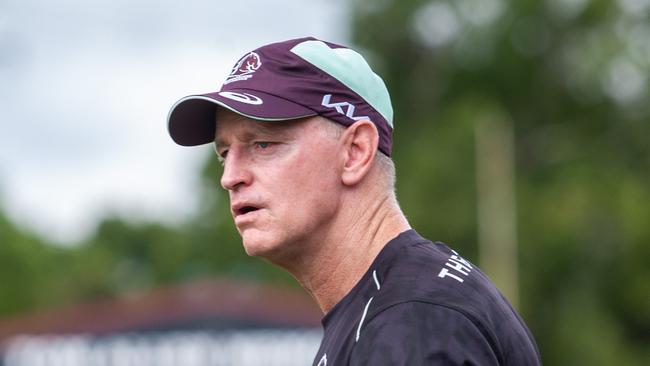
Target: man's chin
<point>256,244</point>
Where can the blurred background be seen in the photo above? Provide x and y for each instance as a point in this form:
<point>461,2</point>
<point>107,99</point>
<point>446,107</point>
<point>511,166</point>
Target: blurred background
<point>522,140</point>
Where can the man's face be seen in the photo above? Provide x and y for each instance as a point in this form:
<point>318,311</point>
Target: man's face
<point>283,180</point>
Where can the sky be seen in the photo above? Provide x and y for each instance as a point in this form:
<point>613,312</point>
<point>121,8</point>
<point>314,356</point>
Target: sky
<point>85,88</point>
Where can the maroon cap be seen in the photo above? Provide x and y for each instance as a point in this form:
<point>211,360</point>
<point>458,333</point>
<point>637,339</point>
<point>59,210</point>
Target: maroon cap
<point>288,80</point>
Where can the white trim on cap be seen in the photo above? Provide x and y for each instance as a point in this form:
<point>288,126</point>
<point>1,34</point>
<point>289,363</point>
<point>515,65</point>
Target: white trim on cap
<point>222,104</point>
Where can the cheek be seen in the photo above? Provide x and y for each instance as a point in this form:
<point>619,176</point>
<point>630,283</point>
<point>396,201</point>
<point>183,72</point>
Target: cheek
<point>312,187</point>
<point>315,169</point>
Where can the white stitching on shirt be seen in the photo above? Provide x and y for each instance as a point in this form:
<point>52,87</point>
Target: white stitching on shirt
<point>365,312</point>
<point>374,275</point>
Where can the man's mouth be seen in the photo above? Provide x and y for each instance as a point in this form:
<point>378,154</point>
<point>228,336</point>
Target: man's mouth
<point>243,208</point>
<point>246,209</point>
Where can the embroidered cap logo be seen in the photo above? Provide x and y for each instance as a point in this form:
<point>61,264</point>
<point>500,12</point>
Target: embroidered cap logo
<point>349,111</point>
<point>244,68</point>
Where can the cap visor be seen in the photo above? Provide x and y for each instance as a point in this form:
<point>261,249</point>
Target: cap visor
<point>191,121</point>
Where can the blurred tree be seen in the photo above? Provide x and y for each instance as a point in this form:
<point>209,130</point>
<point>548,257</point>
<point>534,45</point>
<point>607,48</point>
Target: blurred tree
<point>27,266</point>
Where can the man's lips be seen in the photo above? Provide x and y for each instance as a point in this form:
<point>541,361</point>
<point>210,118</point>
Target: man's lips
<point>243,208</point>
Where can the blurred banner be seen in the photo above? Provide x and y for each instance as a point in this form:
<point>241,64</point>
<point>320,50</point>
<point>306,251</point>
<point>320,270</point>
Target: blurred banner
<point>235,348</point>
<point>206,323</point>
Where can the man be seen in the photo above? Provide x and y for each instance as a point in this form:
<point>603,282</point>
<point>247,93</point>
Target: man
<point>304,131</point>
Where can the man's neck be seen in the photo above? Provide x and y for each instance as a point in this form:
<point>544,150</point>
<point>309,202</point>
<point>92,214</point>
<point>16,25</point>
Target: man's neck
<point>342,255</point>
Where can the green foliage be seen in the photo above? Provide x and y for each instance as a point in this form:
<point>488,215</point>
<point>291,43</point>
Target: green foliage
<point>29,270</point>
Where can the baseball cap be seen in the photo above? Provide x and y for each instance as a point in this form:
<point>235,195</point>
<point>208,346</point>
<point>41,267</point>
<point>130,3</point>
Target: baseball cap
<point>289,80</point>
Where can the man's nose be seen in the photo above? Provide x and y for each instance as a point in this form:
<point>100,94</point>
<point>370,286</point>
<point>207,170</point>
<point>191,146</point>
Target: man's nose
<point>236,173</point>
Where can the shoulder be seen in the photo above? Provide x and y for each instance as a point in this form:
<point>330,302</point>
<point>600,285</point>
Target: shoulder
<point>432,272</point>
<point>418,333</point>
<point>426,271</point>
<point>429,288</point>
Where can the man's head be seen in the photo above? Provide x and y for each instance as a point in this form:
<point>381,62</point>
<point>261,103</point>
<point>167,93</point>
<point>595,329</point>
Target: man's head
<point>298,139</point>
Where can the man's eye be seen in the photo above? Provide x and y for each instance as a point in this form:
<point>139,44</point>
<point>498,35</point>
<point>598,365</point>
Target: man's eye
<point>263,144</point>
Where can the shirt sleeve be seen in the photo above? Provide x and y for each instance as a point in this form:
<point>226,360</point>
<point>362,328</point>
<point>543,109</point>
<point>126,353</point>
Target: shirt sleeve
<point>417,333</point>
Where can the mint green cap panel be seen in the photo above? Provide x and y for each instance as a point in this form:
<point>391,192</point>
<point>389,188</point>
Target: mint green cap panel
<point>352,70</point>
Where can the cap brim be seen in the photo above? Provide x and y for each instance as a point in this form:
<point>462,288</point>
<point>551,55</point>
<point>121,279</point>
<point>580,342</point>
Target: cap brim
<point>191,121</point>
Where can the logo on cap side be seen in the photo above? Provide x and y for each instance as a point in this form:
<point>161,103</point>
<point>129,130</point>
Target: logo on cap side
<point>243,97</point>
<point>349,112</point>
<point>244,68</point>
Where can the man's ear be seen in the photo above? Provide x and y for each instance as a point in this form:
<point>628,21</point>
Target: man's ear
<point>360,142</point>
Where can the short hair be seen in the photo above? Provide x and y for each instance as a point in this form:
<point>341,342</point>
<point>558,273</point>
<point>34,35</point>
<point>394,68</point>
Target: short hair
<point>387,169</point>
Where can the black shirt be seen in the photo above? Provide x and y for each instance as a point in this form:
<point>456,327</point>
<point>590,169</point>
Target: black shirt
<point>420,303</point>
